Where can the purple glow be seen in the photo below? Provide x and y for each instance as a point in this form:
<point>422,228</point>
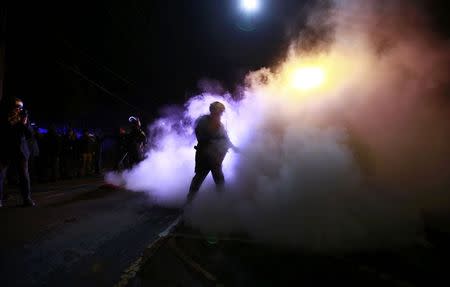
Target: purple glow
<point>170,166</point>
<point>301,177</point>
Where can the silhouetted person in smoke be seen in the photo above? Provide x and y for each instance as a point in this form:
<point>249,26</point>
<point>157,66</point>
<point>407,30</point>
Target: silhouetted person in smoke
<point>213,144</point>
<point>14,149</point>
<point>137,140</point>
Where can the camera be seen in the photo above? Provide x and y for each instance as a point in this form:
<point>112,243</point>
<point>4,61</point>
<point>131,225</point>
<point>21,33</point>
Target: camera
<point>18,116</point>
<point>23,113</point>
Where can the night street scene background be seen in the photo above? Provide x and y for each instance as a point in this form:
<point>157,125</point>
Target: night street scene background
<point>225,143</point>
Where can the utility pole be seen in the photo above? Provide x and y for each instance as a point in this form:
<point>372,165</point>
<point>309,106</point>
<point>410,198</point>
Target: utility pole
<point>2,49</point>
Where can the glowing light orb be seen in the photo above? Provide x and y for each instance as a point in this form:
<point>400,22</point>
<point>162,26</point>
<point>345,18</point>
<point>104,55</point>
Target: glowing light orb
<point>308,78</point>
<point>250,5</point>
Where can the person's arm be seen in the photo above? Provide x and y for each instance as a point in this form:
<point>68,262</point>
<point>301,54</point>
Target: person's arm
<point>26,129</point>
<point>233,147</point>
<point>143,137</point>
<point>28,132</point>
<point>230,143</point>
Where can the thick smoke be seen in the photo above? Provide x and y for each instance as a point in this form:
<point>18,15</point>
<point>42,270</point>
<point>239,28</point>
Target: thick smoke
<point>352,164</point>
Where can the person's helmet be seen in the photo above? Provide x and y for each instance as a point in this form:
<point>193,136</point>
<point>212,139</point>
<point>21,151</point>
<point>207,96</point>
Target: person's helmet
<point>134,120</point>
<point>216,107</point>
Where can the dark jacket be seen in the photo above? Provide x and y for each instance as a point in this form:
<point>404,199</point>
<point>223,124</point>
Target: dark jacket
<point>15,141</point>
<point>206,137</point>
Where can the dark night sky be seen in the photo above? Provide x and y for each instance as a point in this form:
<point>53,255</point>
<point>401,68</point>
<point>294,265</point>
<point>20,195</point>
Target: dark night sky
<point>150,53</point>
<point>157,52</point>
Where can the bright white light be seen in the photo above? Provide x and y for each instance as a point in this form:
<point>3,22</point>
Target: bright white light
<point>250,5</point>
<point>308,78</point>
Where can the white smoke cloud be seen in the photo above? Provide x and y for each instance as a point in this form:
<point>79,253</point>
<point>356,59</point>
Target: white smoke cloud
<point>322,169</point>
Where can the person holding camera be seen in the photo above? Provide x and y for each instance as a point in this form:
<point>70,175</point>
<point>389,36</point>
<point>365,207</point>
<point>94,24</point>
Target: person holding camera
<point>14,149</point>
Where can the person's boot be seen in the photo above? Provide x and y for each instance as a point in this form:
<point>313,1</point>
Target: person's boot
<point>189,198</point>
<point>29,203</point>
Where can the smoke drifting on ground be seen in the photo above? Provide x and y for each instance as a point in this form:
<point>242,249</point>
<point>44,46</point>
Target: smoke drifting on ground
<point>351,164</point>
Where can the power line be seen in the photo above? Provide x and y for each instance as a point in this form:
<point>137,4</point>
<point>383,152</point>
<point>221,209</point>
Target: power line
<point>103,89</point>
<point>92,60</point>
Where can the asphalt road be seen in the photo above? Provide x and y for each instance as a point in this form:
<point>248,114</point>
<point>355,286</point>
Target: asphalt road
<point>188,258</point>
<point>83,233</point>
<point>86,233</point>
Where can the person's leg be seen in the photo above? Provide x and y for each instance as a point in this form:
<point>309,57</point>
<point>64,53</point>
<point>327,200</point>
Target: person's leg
<point>24,179</point>
<point>84,164</point>
<point>218,176</point>
<point>89,164</point>
<point>132,158</point>
<point>71,167</point>
<point>54,168</point>
<point>3,169</point>
<point>196,182</point>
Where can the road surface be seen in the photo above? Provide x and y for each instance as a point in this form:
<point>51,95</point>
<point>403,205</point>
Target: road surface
<point>83,233</point>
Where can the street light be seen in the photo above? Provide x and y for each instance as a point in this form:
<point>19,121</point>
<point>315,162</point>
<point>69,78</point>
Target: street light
<point>250,6</point>
<point>248,10</point>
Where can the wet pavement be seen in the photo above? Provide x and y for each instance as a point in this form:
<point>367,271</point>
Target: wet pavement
<point>83,233</point>
<point>87,233</point>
